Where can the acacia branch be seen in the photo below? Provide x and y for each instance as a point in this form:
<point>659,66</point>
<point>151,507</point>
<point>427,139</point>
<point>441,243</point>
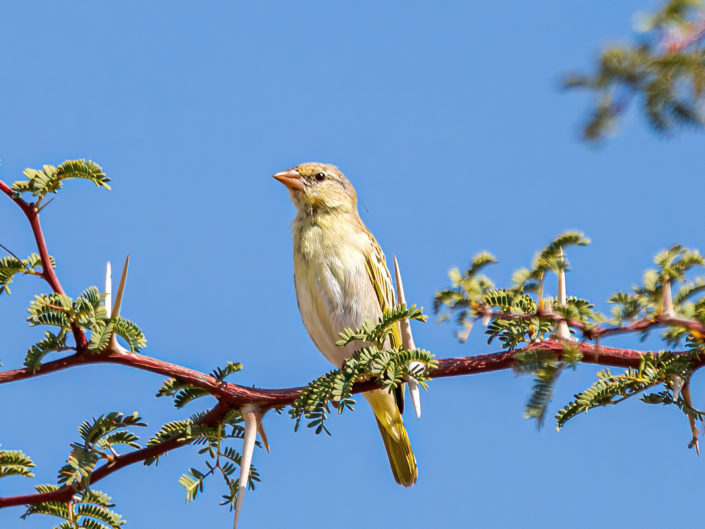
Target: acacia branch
<point>64,494</point>
<point>30,211</point>
<point>48,273</point>
<point>10,193</point>
<point>592,333</point>
<point>233,395</point>
<point>236,395</point>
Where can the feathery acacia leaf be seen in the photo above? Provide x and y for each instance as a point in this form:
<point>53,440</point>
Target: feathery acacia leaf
<point>89,509</point>
<point>98,437</point>
<point>655,369</point>
<point>15,463</point>
<point>10,266</point>
<point>130,332</point>
<point>50,179</point>
<point>664,68</point>
<point>388,367</point>
<point>38,351</point>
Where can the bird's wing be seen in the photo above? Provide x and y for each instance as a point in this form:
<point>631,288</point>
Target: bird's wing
<point>382,282</point>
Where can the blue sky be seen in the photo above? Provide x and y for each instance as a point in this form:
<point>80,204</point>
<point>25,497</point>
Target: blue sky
<point>449,120</point>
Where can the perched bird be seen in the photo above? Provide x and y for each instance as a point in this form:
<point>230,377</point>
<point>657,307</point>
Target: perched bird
<point>341,280</point>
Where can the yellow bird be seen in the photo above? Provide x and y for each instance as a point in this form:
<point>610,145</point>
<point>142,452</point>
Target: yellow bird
<point>341,280</point>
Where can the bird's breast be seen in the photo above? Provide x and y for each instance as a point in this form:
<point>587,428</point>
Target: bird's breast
<point>333,287</point>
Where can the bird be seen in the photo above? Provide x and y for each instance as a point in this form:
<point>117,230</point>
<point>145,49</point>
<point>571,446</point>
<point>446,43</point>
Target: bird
<point>342,280</point>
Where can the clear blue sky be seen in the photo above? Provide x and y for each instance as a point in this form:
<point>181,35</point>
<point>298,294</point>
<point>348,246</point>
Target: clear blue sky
<point>449,120</point>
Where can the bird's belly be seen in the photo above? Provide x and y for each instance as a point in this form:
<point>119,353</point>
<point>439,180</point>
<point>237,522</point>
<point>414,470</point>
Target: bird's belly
<point>334,293</point>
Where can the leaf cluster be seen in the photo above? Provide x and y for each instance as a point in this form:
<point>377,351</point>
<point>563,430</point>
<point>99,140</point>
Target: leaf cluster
<point>466,293</point>
<point>546,368</point>
<point>522,315</point>
<point>655,369</point>
<point>99,438</point>
<point>15,463</point>
<point>86,312</point>
<point>512,332</point>
<point>10,266</point>
<point>378,333</point>
<point>388,367</point>
<point>88,509</point>
<point>220,459</point>
<point>550,259</point>
<point>183,393</point>
<point>512,315</point>
<point>648,300</point>
<point>50,179</point>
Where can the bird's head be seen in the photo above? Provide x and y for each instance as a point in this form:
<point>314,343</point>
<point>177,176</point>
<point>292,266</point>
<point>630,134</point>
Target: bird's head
<point>318,186</point>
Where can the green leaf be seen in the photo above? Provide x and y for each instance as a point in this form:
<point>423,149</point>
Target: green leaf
<point>10,266</point>
<point>130,332</point>
<point>100,337</point>
<point>388,367</point>
<point>85,169</point>
<point>193,482</point>
<point>377,334</point>
<point>50,179</point>
<point>38,351</point>
<point>612,389</point>
<point>89,509</point>
<point>221,373</point>
<point>15,463</point>
<point>98,436</point>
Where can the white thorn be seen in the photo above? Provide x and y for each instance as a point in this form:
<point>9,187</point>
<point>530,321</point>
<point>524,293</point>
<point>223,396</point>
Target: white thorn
<point>121,290</point>
<point>108,289</point>
<point>407,340</point>
<point>668,300</point>
<point>262,434</point>
<point>249,414</point>
<point>562,292</point>
<point>563,331</point>
<point>678,384</point>
<point>109,301</point>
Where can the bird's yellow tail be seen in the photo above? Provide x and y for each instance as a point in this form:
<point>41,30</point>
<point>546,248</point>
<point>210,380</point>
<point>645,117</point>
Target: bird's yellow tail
<point>396,441</point>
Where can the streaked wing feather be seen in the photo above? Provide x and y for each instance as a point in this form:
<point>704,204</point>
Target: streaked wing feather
<point>382,282</point>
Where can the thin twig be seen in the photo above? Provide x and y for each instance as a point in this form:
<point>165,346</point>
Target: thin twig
<point>9,251</point>
<point>48,274</point>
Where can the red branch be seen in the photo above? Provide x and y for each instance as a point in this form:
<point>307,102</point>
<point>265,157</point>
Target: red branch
<point>236,395</point>
<point>48,272</point>
<point>232,395</point>
<point>593,333</point>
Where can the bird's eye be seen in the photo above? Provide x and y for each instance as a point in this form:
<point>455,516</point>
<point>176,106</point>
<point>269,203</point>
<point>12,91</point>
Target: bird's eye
<point>320,176</point>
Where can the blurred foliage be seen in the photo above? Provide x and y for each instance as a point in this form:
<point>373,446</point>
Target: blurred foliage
<point>663,69</point>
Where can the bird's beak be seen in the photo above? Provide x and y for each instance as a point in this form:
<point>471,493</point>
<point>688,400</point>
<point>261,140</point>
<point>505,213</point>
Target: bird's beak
<point>290,178</point>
